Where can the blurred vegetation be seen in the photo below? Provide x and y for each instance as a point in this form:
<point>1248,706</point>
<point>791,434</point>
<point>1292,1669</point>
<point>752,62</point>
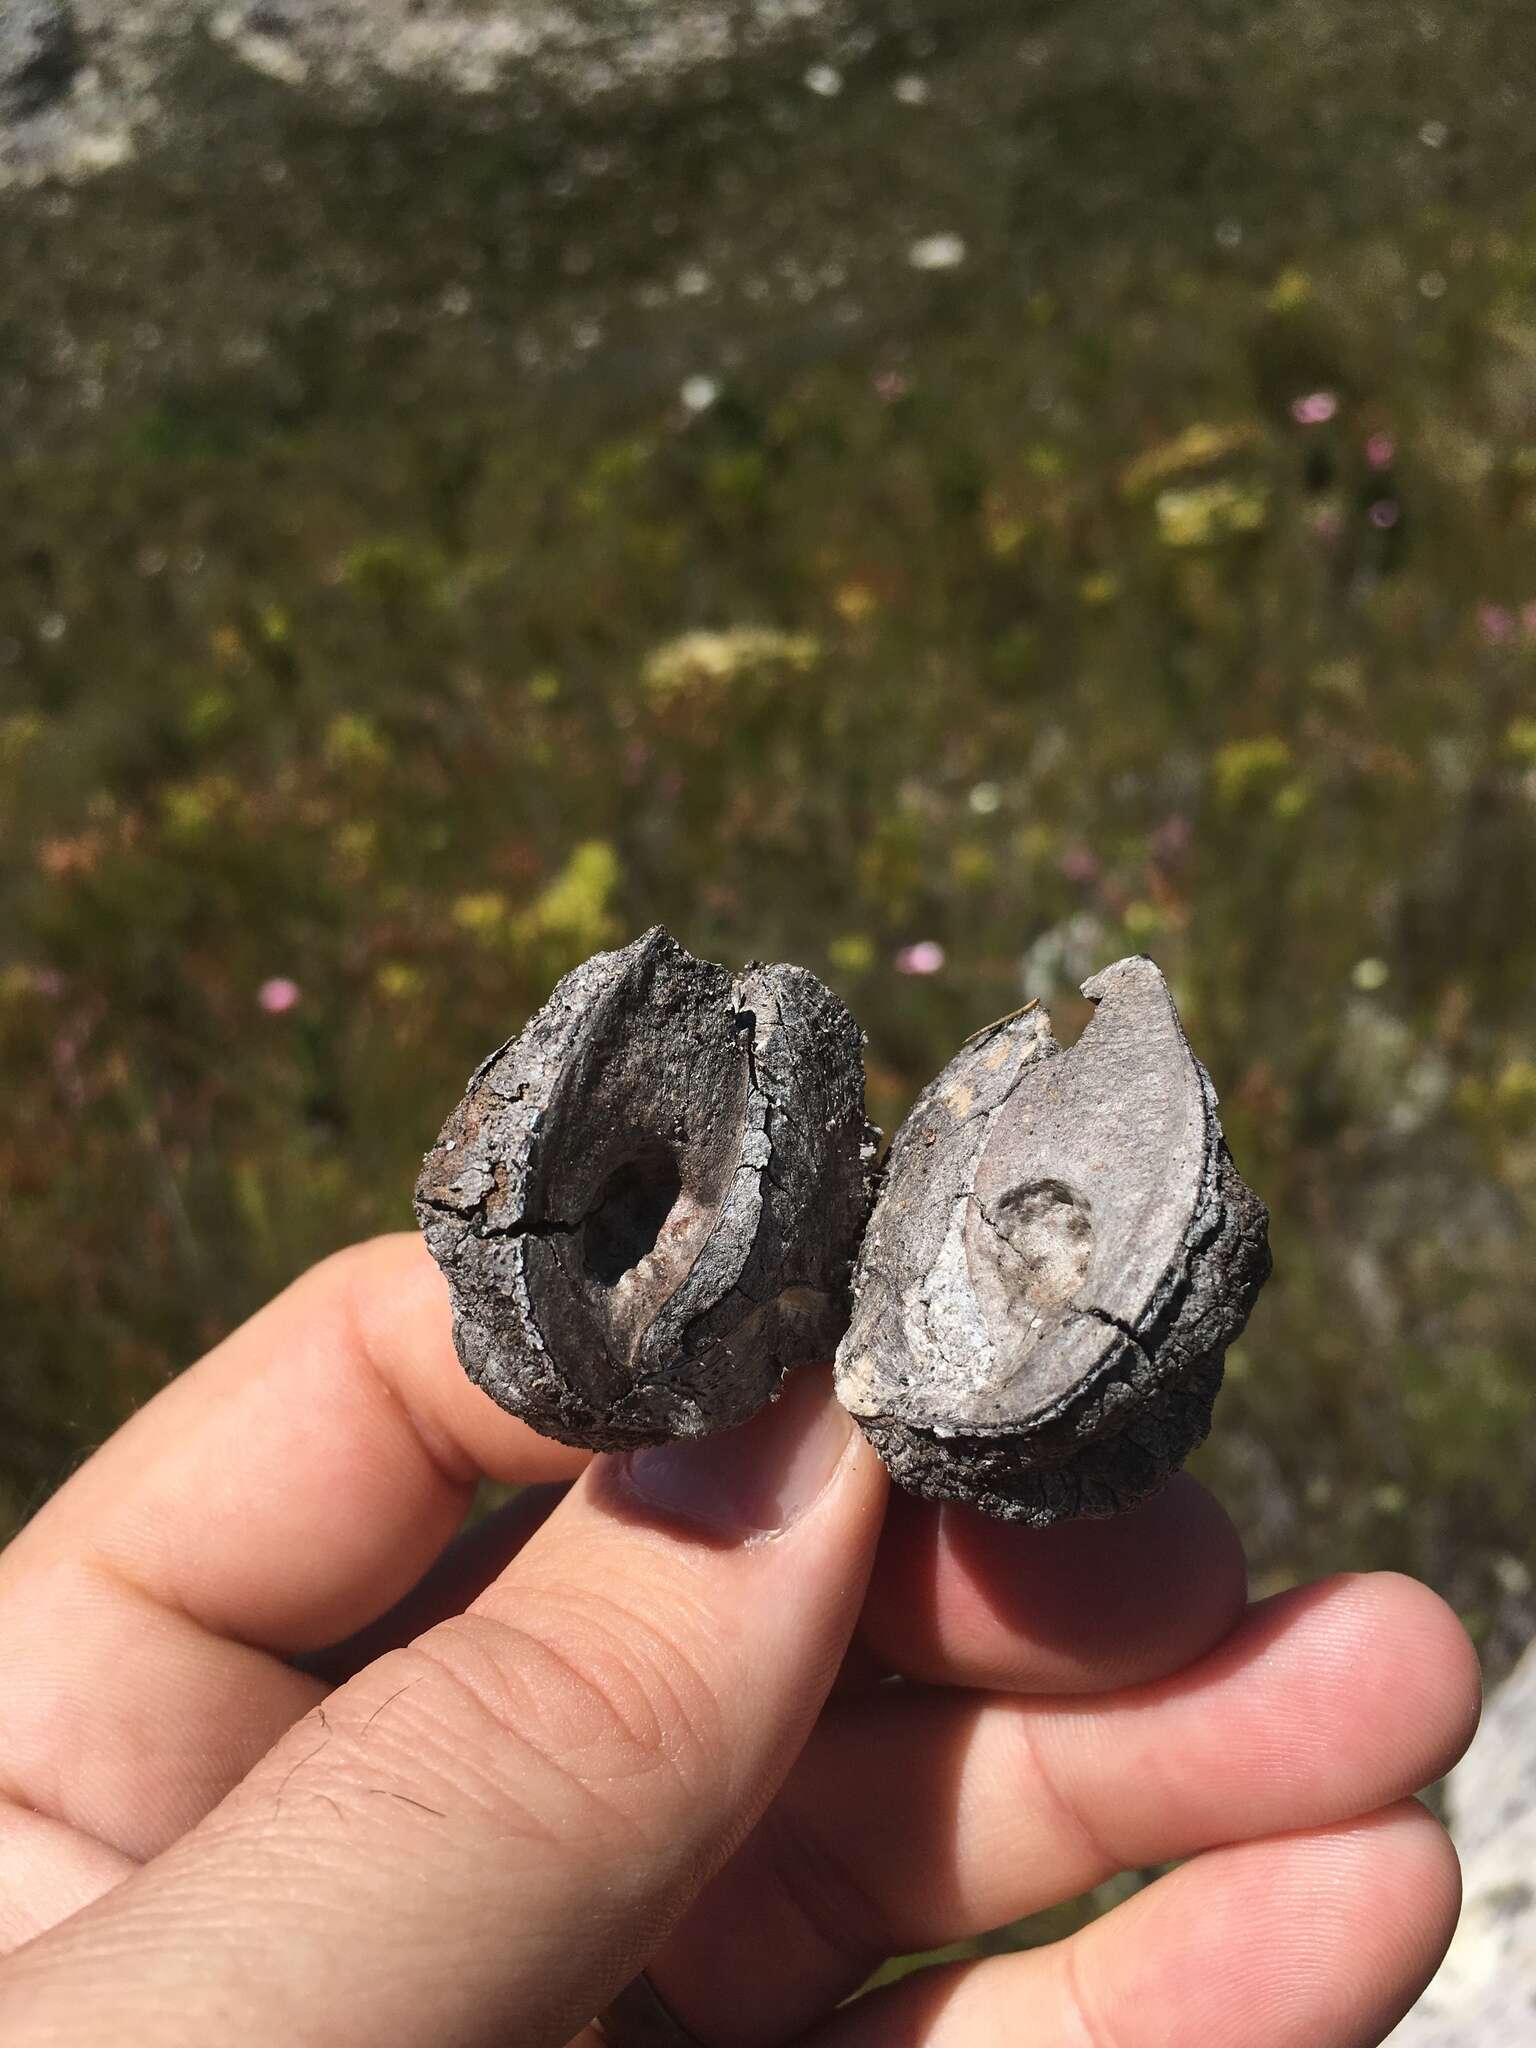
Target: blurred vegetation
<point>1068,488</point>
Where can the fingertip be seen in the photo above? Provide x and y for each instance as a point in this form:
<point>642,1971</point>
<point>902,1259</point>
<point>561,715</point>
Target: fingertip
<point>396,1302</point>
<point>1397,1877</point>
<point>959,1599</point>
<point>1399,1855</point>
<point>1428,1869</point>
<point>1389,1661</point>
<point>1433,1642</point>
<point>1329,1934</point>
<point>1353,1918</point>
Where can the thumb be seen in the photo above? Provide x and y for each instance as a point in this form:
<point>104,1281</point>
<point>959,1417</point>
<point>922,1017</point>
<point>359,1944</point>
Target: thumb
<point>484,1835</point>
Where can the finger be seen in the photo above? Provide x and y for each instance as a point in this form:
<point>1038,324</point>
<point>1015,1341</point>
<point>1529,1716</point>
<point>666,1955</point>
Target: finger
<point>1319,1940</point>
<point>472,1561</point>
<point>483,1836</point>
<point>47,1872</point>
<point>475,1558</point>
<point>959,1599</point>
<point>303,1475</point>
<point>915,1819</point>
<point>124,1719</point>
<point>284,1492</point>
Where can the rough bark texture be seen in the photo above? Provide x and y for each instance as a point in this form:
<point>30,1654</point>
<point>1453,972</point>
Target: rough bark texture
<point>648,1204</point>
<point>1061,1252</point>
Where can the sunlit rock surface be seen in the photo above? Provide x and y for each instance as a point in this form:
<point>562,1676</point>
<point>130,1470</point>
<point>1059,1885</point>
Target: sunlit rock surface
<point>1485,1994</point>
<point>83,85</point>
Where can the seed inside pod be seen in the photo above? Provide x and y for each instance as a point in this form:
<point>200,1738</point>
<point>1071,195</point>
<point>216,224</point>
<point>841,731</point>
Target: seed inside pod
<point>647,1205</point>
<point>1060,1254</point>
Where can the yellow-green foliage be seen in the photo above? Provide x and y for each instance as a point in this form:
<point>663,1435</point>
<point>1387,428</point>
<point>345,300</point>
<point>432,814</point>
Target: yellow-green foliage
<point>1198,447</point>
<point>1195,515</point>
<point>573,914</point>
<point>1242,768</point>
<point>709,665</point>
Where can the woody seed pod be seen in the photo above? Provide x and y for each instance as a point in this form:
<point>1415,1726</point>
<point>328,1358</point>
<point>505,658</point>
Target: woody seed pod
<point>647,1205</point>
<point>1060,1254</point>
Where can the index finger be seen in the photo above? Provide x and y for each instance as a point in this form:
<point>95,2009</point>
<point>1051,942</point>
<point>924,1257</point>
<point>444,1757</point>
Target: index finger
<point>295,1482</point>
<point>281,1494</point>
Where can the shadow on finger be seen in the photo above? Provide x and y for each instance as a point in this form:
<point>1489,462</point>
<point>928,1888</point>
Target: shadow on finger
<point>475,1558</point>
<point>958,1599</point>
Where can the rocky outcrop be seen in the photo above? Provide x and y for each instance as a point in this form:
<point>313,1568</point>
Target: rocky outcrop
<point>39,56</point>
<point>1485,1994</point>
<point>84,84</point>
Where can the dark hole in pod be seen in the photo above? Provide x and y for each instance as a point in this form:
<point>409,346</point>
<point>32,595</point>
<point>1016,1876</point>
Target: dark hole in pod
<point>636,1200</point>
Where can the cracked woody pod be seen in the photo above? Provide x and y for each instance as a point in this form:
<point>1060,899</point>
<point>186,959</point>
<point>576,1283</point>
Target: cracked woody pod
<point>647,1205</point>
<point>1060,1254</point>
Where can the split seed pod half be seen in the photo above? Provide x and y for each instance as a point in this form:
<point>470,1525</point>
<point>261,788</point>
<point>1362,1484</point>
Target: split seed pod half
<point>647,1205</point>
<point>1060,1254</point>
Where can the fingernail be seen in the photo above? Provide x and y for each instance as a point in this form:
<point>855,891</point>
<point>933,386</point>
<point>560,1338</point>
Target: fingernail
<point>754,1480</point>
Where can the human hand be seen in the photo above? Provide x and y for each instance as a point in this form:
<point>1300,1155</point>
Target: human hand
<point>274,1775</point>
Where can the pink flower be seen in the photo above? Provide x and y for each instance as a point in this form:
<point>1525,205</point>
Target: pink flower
<point>278,994</point>
<point>1171,837</point>
<point>926,957</point>
<point>1315,409</point>
<point>1380,451</point>
<point>890,385</point>
<point>1078,864</point>
<point>1496,625</point>
<point>1385,513</point>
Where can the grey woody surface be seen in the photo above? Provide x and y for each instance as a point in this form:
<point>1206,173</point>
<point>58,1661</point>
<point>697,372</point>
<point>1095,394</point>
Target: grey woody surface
<point>647,1205</point>
<point>1060,1255</point>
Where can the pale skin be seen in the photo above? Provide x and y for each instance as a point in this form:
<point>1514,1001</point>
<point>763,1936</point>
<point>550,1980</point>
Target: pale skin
<point>277,1763</point>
